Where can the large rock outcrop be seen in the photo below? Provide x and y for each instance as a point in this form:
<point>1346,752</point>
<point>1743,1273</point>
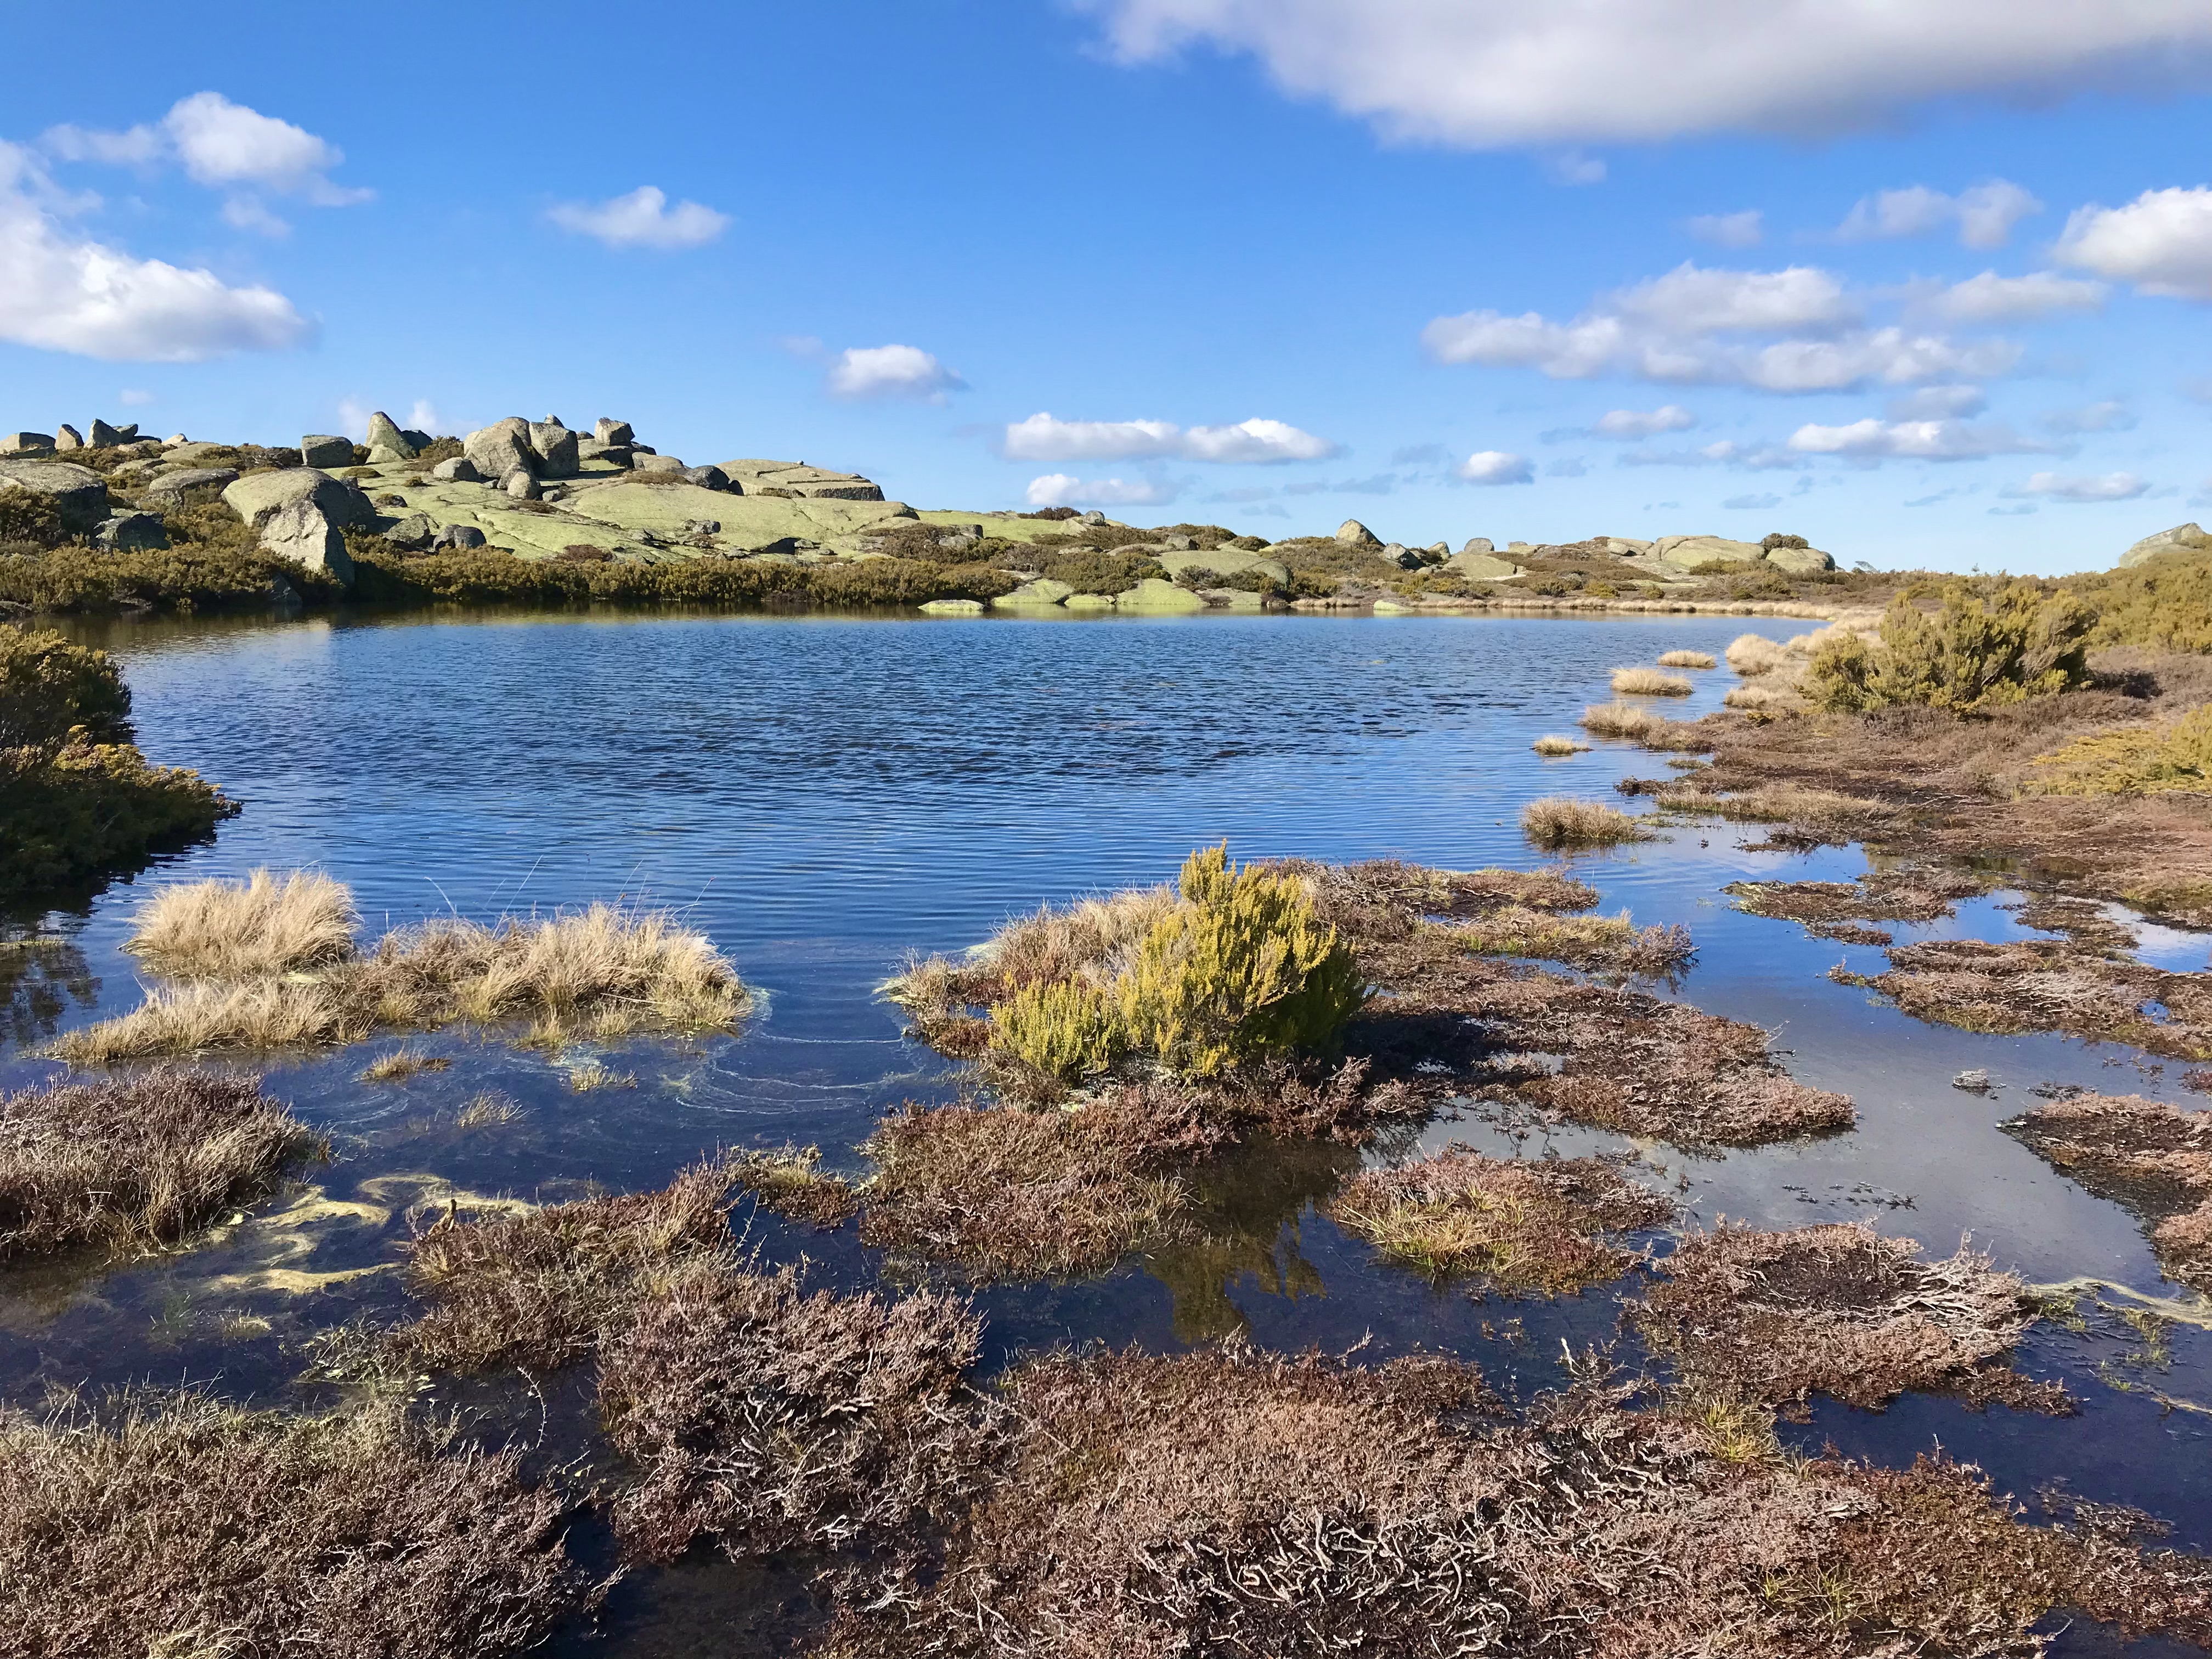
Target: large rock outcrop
<point>797,479</point>
<point>386,442</point>
<point>79,494</point>
<point>498,449</point>
<point>300,515</point>
<point>2182,538</point>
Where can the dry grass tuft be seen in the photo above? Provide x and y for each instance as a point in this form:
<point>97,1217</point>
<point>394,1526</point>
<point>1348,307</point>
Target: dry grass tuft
<point>138,1163</point>
<point>1685,659</point>
<point>1556,745</point>
<point>1837,909</point>
<point>1586,942</point>
<point>210,1017</point>
<point>1821,813</point>
<point>402,1063</point>
<point>1561,821</point>
<point>1641,726</point>
<point>2154,1158</point>
<point>263,925</point>
<point>592,1077</point>
<point>176,1528</point>
<point>1648,683</point>
<point>1539,1226</point>
<point>774,1421</point>
<point>1763,699</point>
<point>1753,654</point>
<point>537,1287</point>
<point>789,1181</point>
<point>486,1110</point>
<point>1839,1310</point>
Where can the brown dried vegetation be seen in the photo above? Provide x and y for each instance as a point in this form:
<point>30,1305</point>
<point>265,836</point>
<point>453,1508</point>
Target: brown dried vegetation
<point>1838,909</point>
<point>2154,1158</point>
<point>136,1164</point>
<point>1837,1309</point>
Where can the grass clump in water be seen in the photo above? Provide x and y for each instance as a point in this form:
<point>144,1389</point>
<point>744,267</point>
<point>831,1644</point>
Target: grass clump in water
<point>1541,1225</point>
<point>1552,746</point>
<point>1839,1310</point>
<point>264,925</point>
<point>401,1064</point>
<point>136,1164</point>
<point>1559,821</point>
<point>1685,659</point>
<point>2153,1158</point>
<point>1587,942</point>
<point>1648,683</point>
<point>1640,726</point>
<point>175,1527</point>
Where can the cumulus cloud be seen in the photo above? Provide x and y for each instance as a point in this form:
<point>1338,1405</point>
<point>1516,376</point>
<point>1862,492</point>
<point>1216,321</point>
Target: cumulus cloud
<point>1495,467</point>
<point>1923,441</point>
<point>2105,487</point>
<point>1490,73</point>
<point>1678,329</point>
<point>226,146</point>
<point>1744,229</point>
<point>891,371</point>
<point>1042,437</point>
<point>62,292</point>
<point>2161,242</point>
<point>1065,490</point>
<point>1990,298</point>
<point>1642,423</point>
<point>1726,451</point>
<point>641,219</point>
<point>1983,216</point>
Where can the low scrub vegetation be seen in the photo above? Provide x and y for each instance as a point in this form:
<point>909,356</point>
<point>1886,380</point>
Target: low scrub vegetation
<point>1840,1310</point>
<point>1557,821</point>
<point>1974,653</point>
<point>2153,1158</point>
<point>1540,1225</point>
<point>1648,683</point>
<point>602,971</point>
<point>175,1527</point>
<point>2164,604</point>
<point>2165,760</point>
<point>1586,942</point>
<point>136,1164</point>
<point>1840,910</point>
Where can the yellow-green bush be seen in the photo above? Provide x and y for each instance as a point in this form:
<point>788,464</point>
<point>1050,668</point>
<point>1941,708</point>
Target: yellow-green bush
<point>1972,655</point>
<point>49,687</point>
<point>1243,970</point>
<point>1068,1030</point>
<point>2162,760</point>
<point>29,517</point>
<point>2165,603</point>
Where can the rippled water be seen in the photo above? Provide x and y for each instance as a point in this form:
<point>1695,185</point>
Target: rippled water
<point>822,796</point>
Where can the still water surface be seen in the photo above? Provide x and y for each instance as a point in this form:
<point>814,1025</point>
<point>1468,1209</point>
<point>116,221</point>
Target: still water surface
<point>822,796</point>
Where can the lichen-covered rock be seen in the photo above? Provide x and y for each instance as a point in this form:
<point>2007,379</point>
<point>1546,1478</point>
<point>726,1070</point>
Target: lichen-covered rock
<point>169,488</point>
<point>413,533</point>
<point>1690,551</point>
<point>105,436</point>
<point>1800,561</point>
<point>806,483</point>
<point>66,438</point>
<point>326,449</point>
<point>1041,594</point>
<point>1403,556</point>
<point>613,432</point>
<point>457,469</point>
<point>458,536</point>
<point>299,515</point>
<point>1087,602</point>
<point>1154,597</point>
<point>498,449</point>
<point>386,442</point>
<point>2182,538</point>
<point>1481,567</point>
<point>519,484</point>
<point>79,494</point>
<point>129,531</point>
<point>646,461</point>
<point>556,448</point>
<point>953,608</point>
<point>27,443</point>
<point>707,478</point>
<point>1352,533</point>
<point>1480,544</point>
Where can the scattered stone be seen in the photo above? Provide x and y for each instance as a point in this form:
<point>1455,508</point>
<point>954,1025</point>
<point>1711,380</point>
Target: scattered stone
<point>414,532</point>
<point>646,461</point>
<point>105,436</point>
<point>702,527</point>
<point>498,449</point>
<point>129,531</point>
<point>1154,597</point>
<point>1352,533</point>
<point>79,494</point>
<point>1399,554</point>
<point>298,514</point>
<point>1044,593</point>
<point>27,443</point>
<point>556,448</point>
<point>321,450</point>
<point>2182,538</point>
<point>459,536</point>
<point>953,608</point>
<point>519,484</point>
<point>386,442</point>
<point>67,437</point>
<point>707,478</point>
<point>171,486</point>
<point>1976,1081</point>
<point>174,440</point>
<point>1479,544</point>
<point>611,433</point>
<point>459,469</point>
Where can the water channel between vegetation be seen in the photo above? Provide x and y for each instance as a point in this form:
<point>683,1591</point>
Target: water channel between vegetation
<point>821,797</point>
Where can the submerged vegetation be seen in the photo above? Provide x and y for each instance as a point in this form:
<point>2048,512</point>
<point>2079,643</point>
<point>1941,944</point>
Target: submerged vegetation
<point>279,968</point>
<point>2153,1158</point>
<point>138,1163</point>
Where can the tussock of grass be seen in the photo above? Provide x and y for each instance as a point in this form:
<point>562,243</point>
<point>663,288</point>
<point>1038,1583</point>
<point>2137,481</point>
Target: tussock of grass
<point>1777,802</point>
<point>263,925</point>
<point>591,1076</point>
<point>401,1064</point>
<point>138,1163</point>
<point>486,1110</point>
<point>1640,726</point>
<point>1834,910</point>
<point>2153,1158</point>
<point>1538,1225</point>
<point>1590,942</point>
<point>1650,682</point>
<point>1778,1316</point>
<point>177,1527</point>
<point>1553,746</point>
<point>789,1181</point>
<point>1762,699</point>
<point>1558,821</point>
<point>1753,654</point>
<point>604,971</point>
<point>1685,659</point>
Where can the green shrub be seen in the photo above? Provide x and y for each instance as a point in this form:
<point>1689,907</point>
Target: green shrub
<point>81,579</point>
<point>29,516</point>
<point>1242,970</point>
<point>48,686</point>
<point>2165,603</point>
<point>83,810</point>
<point>490,576</point>
<point>1068,1030</point>
<point>2161,761</point>
<point>1090,570</point>
<point>1973,654</point>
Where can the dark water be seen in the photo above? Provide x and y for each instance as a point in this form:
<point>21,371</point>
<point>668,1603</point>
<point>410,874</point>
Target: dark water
<point>822,796</point>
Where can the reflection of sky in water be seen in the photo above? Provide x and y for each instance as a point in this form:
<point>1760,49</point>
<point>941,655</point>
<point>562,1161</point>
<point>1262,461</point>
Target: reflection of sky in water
<point>822,796</point>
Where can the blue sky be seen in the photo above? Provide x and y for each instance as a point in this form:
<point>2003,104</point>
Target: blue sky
<point>1928,285</point>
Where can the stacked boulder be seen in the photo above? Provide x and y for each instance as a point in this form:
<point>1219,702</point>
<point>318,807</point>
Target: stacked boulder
<point>301,514</point>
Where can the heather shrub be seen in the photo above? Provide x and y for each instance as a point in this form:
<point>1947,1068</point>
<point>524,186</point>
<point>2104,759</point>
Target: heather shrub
<point>29,516</point>
<point>2165,603</point>
<point>1067,1030</point>
<point>49,687</point>
<point>2163,760</point>
<point>74,812</point>
<point>1972,655</point>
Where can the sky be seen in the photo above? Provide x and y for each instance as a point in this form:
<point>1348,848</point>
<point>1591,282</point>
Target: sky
<point>1928,285</point>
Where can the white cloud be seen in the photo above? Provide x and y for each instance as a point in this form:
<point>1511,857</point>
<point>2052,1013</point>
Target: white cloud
<point>2109,416</point>
<point>641,219</point>
<point>63,293</point>
<point>1644,422</point>
<point>1990,298</point>
<point>225,146</point>
<point>1726,451</point>
<point>1689,328</point>
<point>1043,438</point>
<point>1065,490</point>
<point>1490,73</point>
<point>1984,215</point>
<point>891,371</point>
<point>1924,440</point>
<point>424,417</point>
<point>1744,229</point>
<point>1495,467</point>
<point>1574,168</point>
<point>2161,242</point>
<point>1936,403</point>
<point>2108,487</point>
